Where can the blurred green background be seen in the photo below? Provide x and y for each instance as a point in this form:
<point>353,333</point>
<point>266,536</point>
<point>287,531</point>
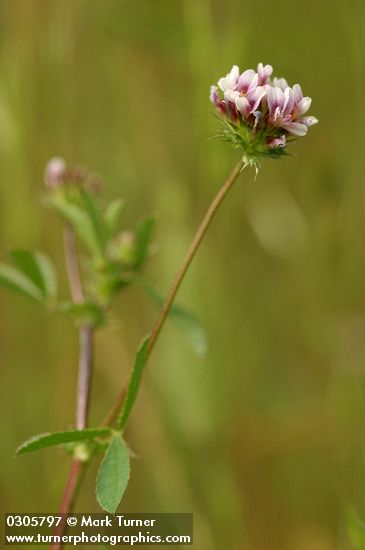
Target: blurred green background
<point>264,437</point>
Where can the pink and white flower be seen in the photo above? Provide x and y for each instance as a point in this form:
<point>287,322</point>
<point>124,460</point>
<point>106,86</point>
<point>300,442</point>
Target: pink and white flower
<point>280,83</point>
<point>286,109</point>
<point>263,111</point>
<point>246,102</point>
<point>216,100</point>
<point>241,91</point>
<point>264,73</point>
<point>229,82</point>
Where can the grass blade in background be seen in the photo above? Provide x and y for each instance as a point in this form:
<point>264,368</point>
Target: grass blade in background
<point>184,320</point>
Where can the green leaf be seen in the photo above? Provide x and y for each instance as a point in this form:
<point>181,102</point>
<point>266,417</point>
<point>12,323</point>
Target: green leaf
<point>48,274</point>
<point>134,382</point>
<point>13,279</point>
<point>27,263</point>
<point>42,441</point>
<point>93,211</point>
<point>184,320</point>
<point>143,237</point>
<point>38,268</point>
<point>113,475</point>
<point>80,221</point>
<point>112,216</point>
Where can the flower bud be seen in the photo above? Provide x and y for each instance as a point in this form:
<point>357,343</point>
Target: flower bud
<point>276,142</point>
<point>123,248</point>
<point>54,172</point>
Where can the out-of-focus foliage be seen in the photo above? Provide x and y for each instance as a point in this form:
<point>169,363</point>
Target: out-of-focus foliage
<point>262,438</point>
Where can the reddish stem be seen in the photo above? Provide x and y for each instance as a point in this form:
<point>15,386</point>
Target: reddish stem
<point>67,500</point>
<point>84,378</point>
<point>83,387</point>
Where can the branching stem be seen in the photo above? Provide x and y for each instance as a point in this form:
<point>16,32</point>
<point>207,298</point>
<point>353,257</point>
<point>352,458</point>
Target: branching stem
<point>86,333</point>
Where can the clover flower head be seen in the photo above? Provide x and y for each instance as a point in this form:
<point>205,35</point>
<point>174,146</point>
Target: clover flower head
<point>261,114</point>
<point>58,174</point>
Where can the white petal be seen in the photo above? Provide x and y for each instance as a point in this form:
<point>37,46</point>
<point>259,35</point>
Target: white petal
<point>243,106</point>
<point>255,97</point>
<point>265,69</point>
<point>271,98</point>
<point>231,95</point>
<point>213,96</point>
<point>276,98</point>
<point>303,106</point>
<point>308,121</point>
<point>264,73</point>
<point>247,81</point>
<point>296,128</point>
<point>280,83</point>
<point>298,94</point>
<point>254,83</point>
<point>230,80</point>
<point>288,100</point>
<point>235,73</point>
<point>276,117</point>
